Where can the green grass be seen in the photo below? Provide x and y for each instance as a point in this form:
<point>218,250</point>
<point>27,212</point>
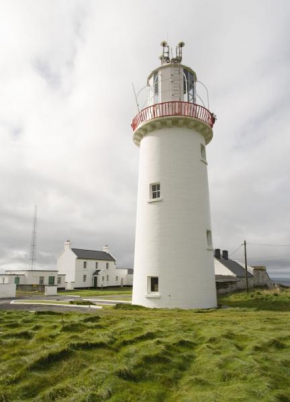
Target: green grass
<point>114,291</point>
<point>131,354</point>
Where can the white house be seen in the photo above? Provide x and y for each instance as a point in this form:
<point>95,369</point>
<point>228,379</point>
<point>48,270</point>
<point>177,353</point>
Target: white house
<point>91,268</point>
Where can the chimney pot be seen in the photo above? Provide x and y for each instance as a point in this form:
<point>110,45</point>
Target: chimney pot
<point>225,255</point>
<point>217,253</point>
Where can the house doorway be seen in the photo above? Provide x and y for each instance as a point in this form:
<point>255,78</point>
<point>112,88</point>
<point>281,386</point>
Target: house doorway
<point>95,281</point>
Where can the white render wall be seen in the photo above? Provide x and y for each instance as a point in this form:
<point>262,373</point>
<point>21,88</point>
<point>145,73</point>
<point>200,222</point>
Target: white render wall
<point>171,240</point>
<point>7,290</point>
<point>31,277</point>
<point>80,271</point>
<point>66,262</point>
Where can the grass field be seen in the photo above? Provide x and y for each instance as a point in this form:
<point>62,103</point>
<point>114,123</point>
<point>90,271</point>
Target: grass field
<point>134,354</point>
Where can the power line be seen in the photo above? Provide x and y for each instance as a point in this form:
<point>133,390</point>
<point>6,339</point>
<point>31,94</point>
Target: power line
<point>236,250</point>
<point>269,245</point>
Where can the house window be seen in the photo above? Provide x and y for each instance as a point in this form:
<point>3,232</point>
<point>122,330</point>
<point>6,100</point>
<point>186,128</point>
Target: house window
<point>51,280</point>
<point>17,280</point>
<point>97,265</point>
<point>59,280</point>
<point>103,278</point>
<point>107,265</point>
<point>85,264</point>
<point>202,152</point>
<point>84,278</point>
<point>117,278</point>
<point>107,278</point>
<point>155,191</point>
<point>209,239</point>
<point>153,284</point>
<point>41,280</point>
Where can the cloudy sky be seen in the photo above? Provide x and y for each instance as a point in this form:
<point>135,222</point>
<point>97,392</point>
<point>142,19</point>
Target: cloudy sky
<point>66,104</point>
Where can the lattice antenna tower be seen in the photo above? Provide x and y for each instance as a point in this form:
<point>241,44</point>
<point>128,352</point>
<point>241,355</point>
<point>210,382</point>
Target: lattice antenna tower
<point>33,240</point>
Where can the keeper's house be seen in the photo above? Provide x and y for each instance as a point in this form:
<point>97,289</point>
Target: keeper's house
<point>91,268</point>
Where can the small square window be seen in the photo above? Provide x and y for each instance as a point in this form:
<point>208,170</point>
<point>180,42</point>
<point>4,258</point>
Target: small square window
<point>155,191</point>
<point>203,152</point>
<point>153,284</point>
<point>84,278</point>
<point>209,239</point>
<point>85,264</point>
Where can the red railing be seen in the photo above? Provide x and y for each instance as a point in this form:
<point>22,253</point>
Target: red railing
<point>174,108</point>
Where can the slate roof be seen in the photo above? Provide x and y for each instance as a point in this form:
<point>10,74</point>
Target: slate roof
<point>92,255</point>
<point>234,267</point>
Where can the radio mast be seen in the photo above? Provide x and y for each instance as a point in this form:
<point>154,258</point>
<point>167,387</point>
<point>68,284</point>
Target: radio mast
<point>33,241</point>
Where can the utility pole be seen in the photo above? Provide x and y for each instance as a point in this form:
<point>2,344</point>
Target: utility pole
<point>33,240</point>
<point>246,265</point>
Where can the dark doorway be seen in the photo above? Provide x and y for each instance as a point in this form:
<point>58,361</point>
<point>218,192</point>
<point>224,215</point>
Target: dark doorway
<point>95,281</point>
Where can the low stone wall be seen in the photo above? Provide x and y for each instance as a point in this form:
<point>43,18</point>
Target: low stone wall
<point>229,285</point>
<point>29,288</point>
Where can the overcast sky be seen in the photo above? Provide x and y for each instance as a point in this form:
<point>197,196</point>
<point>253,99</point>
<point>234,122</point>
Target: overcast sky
<point>66,104</point>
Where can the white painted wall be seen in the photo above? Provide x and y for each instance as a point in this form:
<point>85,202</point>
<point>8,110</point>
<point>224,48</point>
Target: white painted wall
<point>50,290</point>
<point>171,238</point>
<point>32,277</point>
<point>66,265</point>
<point>7,290</point>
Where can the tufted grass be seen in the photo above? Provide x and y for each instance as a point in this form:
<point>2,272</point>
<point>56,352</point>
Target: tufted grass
<point>130,354</point>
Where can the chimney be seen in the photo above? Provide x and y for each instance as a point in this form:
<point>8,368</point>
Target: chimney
<point>67,245</point>
<point>217,253</point>
<point>106,249</point>
<point>225,255</point>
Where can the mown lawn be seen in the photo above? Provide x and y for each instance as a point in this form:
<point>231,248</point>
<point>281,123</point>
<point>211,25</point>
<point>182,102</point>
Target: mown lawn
<point>134,354</point>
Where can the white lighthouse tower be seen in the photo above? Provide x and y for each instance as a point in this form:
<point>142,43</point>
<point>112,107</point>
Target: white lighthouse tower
<point>174,264</point>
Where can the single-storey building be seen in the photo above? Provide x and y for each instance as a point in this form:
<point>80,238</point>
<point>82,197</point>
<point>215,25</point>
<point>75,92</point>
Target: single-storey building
<point>34,278</point>
<point>91,268</point>
<point>230,275</point>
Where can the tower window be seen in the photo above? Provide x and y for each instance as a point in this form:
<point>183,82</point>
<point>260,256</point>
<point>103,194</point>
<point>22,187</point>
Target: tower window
<point>202,152</point>
<point>188,86</point>
<point>155,191</point>
<point>209,239</point>
<point>156,87</point>
<point>84,278</point>
<point>85,264</point>
<point>97,265</point>
<point>153,284</point>
<point>107,265</point>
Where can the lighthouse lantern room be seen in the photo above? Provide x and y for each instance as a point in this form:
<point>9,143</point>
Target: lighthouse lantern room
<point>174,264</point>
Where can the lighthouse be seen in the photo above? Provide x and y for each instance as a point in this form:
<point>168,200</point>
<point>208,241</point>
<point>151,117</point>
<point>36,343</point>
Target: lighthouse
<point>174,265</point>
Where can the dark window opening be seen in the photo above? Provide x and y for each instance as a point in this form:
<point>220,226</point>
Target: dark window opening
<point>154,284</point>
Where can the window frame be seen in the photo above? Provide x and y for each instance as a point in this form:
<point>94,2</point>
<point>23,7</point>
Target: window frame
<point>209,239</point>
<point>155,191</point>
<point>84,278</point>
<point>151,285</point>
<point>41,280</point>
<point>85,264</point>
